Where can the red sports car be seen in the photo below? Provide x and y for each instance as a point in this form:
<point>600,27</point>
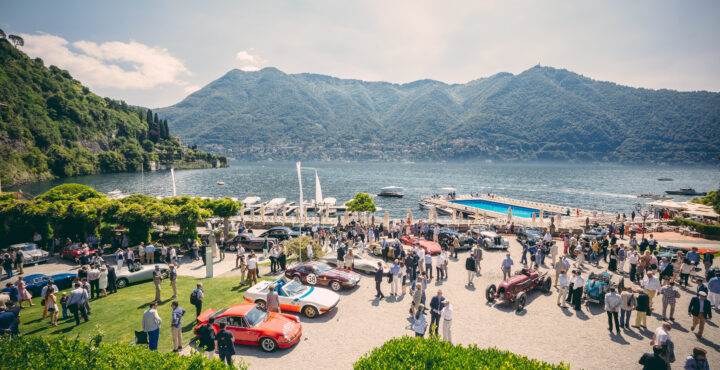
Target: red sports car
<point>75,251</point>
<point>319,273</point>
<point>253,326</point>
<point>428,245</point>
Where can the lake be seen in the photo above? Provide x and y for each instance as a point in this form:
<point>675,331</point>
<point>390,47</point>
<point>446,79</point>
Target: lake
<point>591,186</point>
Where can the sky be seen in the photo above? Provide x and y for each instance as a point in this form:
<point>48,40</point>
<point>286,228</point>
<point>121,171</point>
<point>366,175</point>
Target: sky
<point>154,53</point>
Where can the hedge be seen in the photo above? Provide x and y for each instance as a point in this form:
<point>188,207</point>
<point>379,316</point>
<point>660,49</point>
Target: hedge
<point>62,353</point>
<point>420,353</point>
<point>699,226</point>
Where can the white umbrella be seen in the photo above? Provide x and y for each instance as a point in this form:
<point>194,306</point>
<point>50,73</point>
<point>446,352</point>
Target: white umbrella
<point>509,214</point>
<point>386,220</point>
<point>454,216</point>
<point>477,216</point>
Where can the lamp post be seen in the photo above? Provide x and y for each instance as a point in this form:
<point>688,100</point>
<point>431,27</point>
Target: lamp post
<point>644,213</point>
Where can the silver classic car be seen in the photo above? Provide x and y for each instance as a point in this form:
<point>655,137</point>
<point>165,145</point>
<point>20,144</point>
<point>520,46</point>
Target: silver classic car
<point>490,239</point>
<point>139,273</point>
<point>31,253</point>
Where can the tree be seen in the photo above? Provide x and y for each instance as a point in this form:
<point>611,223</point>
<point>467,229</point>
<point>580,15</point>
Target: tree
<point>111,161</point>
<point>2,34</point>
<point>188,217</point>
<point>16,40</point>
<point>224,208</point>
<point>361,203</point>
<point>149,117</point>
<point>156,118</point>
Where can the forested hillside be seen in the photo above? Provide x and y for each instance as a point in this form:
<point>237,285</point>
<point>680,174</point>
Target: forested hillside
<point>541,114</point>
<point>53,126</point>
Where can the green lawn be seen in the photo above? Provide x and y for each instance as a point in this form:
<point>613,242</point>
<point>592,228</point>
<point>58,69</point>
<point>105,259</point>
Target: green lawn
<point>119,315</point>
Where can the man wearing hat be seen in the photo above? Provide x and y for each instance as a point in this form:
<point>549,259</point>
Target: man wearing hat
<point>157,279</point>
<point>698,360</point>
<point>700,311</point>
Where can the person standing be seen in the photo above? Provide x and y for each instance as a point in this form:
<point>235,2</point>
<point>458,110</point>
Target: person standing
<point>643,309</point>
<point>613,302</point>
<point>206,338</point>
<point>378,280</point>
<point>151,325</point>
<point>111,279</point>
<point>103,281</point>
<point>439,260</point>
<point>525,249</point>
<point>163,253</point>
<point>477,256</point>
<point>708,258</point>
<point>420,322</point>
<point>225,344</point>
<point>714,291</point>
<point>129,258</point>
<point>173,257</point>
<point>470,268</point>
<point>633,260</point>
<point>172,276</point>
<point>119,258</point>
<point>141,252</point>
<point>669,295</point>
<point>446,315</point>
<point>196,299</point>
<point>578,283</point>
<point>49,286</point>
<point>700,311</point>
<point>19,261</point>
<point>553,252</point>
<point>157,280</point>
<point>628,304</point>
<point>94,279</point>
<point>563,284</point>
<point>273,301</point>
<point>446,262</point>
<point>395,272</point>
<point>505,266</point>
<point>436,306</point>
<point>176,325</point>
<point>652,286</point>
<point>274,254</point>
<point>561,267</point>
<point>428,266</point>
<point>150,254</point>
<point>51,305</point>
<point>8,266</point>
<point>252,269</point>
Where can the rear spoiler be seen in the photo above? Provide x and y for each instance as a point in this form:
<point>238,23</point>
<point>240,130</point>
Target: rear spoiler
<point>205,316</point>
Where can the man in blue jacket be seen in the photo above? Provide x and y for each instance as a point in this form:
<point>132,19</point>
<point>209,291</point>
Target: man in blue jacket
<point>436,306</point>
<point>9,323</point>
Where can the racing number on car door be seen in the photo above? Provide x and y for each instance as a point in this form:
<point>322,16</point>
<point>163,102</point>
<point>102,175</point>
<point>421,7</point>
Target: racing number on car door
<point>311,279</point>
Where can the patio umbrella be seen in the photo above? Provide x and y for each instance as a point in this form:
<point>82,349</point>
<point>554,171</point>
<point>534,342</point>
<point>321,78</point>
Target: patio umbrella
<point>347,217</point>
<point>509,214</point>
<point>454,216</point>
<point>284,214</point>
<point>477,216</point>
<point>533,218</point>
<point>386,220</point>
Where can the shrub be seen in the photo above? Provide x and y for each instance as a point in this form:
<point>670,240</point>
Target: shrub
<point>699,226</point>
<point>420,353</point>
<point>64,353</point>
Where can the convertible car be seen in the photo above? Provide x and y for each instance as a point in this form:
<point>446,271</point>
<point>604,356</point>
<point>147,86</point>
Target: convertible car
<point>254,326</point>
<point>36,282</point>
<point>31,253</point>
<point>249,242</point>
<point>428,245</point>
<point>367,265</point>
<point>75,251</point>
<point>491,240</point>
<point>375,248</point>
<point>295,297</point>
<point>515,288</point>
<point>139,273</point>
<point>597,286</point>
<point>321,274</point>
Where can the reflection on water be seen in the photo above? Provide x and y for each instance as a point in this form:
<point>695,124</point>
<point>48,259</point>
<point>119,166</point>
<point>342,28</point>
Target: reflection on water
<point>591,186</point>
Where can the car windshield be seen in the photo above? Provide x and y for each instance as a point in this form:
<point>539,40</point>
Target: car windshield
<point>218,313</point>
<point>322,268</point>
<point>255,317</point>
<point>28,247</point>
<point>75,247</point>
<point>294,288</point>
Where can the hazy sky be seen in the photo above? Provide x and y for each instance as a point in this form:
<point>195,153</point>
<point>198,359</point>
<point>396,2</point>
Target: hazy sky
<point>153,53</point>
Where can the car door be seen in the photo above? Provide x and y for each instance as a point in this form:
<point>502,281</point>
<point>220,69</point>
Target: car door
<point>288,303</point>
<point>243,335</point>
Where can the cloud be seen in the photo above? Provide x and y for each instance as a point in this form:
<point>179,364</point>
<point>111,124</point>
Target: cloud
<point>248,62</point>
<point>191,88</point>
<point>121,65</point>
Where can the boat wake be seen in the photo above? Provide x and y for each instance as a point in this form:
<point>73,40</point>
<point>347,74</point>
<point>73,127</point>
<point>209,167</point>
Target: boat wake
<point>601,193</point>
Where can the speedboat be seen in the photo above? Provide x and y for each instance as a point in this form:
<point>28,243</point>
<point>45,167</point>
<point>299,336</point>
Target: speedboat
<point>685,191</point>
<point>221,183</point>
<point>391,191</point>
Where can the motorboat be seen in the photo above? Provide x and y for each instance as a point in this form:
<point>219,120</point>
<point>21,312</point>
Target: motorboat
<point>221,183</point>
<point>391,192</point>
<point>665,179</point>
<point>685,191</point>
<point>654,196</point>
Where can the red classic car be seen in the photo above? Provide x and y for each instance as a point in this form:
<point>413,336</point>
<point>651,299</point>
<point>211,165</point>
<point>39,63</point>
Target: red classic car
<point>322,274</point>
<point>514,289</point>
<point>428,245</point>
<point>254,326</point>
<point>75,251</point>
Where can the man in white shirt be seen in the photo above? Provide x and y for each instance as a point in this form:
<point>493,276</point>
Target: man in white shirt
<point>436,232</point>
<point>446,315</point>
<point>578,284</point>
<point>612,306</point>
<point>553,253</point>
<point>563,285</point>
<point>662,335</point>
<point>421,259</point>
<point>252,269</point>
<point>150,253</point>
<point>47,286</point>
<point>652,286</point>
<point>309,252</point>
<point>151,325</point>
<point>580,255</point>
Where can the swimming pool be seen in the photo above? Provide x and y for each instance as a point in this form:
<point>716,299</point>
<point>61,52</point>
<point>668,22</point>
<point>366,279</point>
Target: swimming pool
<point>517,211</point>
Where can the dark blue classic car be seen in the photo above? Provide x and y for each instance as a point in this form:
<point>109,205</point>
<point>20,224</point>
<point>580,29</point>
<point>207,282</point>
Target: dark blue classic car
<point>36,282</point>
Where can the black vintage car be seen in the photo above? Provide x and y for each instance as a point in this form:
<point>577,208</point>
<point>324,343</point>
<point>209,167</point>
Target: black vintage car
<point>596,233</point>
<point>445,238</point>
<point>281,233</point>
<point>249,242</point>
<point>532,235</point>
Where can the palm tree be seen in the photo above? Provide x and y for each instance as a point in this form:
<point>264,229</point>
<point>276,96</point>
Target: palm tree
<point>16,40</point>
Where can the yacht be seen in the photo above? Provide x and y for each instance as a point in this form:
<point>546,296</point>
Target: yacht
<point>685,191</point>
<point>391,191</point>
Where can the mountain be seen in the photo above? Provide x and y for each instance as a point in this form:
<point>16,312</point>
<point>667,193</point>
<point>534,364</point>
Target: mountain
<point>52,126</point>
<point>540,114</point>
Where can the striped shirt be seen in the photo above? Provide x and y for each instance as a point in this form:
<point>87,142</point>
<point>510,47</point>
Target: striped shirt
<point>669,294</point>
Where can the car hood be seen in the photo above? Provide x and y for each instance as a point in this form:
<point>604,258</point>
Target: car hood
<point>321,297</point>
<point>342,275</point>
<point>489,234</point>
<point>35,252</point>
<point>515,279</point>
<point>279,324</point>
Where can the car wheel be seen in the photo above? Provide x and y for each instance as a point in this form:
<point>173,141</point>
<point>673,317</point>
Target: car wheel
<point>261,303</point>
<point>297,278</point>
<point>486,245</point>
<point>310,312</point>
<point>520,301</point>
<point>490,293</point>
<point>121,283</point>
<point>268,344</point>
<point>546,285</point>
<point>335,286</point>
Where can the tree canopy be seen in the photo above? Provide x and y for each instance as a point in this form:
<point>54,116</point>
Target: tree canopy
<point>362,202</point>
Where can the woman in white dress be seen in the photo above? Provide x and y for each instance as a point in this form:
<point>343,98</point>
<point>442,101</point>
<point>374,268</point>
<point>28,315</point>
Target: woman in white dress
<point>103,281</point>
<point>119,259</point>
